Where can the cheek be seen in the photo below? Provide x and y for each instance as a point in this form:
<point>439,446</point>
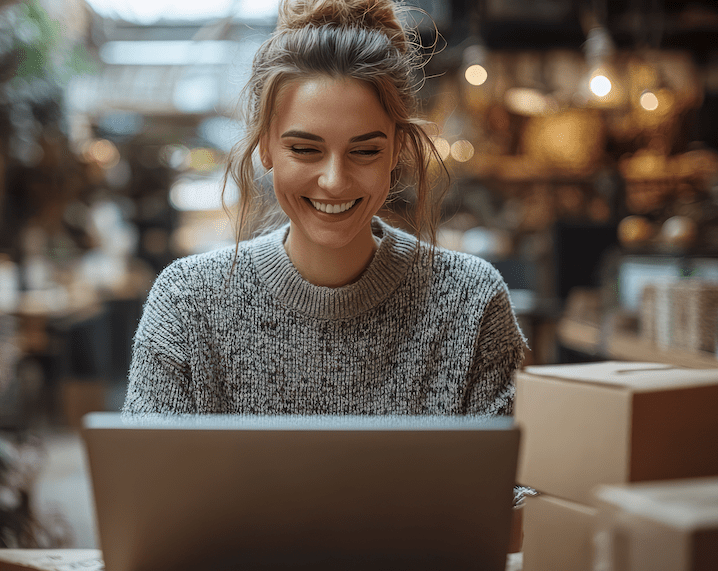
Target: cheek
<point>288,181</point>
<point>378,183</point>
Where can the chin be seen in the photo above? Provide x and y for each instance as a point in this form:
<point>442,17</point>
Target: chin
<point>331,240</point>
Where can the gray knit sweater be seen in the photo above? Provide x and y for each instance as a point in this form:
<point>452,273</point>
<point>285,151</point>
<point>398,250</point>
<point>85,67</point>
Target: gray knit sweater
<point>411,336</point>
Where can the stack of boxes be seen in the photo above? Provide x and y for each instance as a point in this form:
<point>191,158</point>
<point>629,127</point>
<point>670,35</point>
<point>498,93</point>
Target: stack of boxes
<point>657,526</point>
<point>605,423</point>
<point>681,314</point>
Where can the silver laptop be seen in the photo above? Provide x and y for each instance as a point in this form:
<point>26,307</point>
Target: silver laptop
<point>311,492</point>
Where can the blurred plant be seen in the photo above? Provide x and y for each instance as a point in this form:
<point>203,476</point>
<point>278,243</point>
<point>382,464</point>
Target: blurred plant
<point>37,60</point>
<point>43,44</point>
<point>38,46</point>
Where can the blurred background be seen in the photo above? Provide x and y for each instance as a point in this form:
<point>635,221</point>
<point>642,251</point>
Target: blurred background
<point>582,137</point>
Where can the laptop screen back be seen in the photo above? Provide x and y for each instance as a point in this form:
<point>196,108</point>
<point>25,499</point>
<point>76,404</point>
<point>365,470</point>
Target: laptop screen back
<point>216,492</point>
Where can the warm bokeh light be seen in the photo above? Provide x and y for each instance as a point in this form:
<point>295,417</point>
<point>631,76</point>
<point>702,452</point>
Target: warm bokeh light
<point>524,101</point>
<point>443,147</point>
<point>462,151</point>
<point>103,152</point>
<point>571,139</point>
<point>649,101</point>
<point>600,85</point>
<point>634,230</point>
<point>565,136</point>
<point>645,164</point>
<point>203,159</point>
<point>476,74</point>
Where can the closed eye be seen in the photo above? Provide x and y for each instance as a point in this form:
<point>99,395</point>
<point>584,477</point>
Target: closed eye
<point>367,152</point>
<point>303,150</point>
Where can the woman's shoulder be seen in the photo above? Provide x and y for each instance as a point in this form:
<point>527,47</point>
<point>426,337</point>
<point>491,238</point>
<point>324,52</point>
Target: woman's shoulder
<point>195,266</point>
<point>216,263</point>
<point>461,267</point>
<point>451,267</point>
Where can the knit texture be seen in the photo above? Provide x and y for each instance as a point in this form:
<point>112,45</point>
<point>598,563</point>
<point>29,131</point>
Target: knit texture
<point>412,336</point>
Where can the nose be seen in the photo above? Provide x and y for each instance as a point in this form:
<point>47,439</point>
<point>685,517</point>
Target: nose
<point>333,177</point>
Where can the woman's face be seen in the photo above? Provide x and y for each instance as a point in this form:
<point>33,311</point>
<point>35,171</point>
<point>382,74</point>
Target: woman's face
<point>332,147</point>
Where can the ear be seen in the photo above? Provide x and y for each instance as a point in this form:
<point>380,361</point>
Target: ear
<point>264,155</point>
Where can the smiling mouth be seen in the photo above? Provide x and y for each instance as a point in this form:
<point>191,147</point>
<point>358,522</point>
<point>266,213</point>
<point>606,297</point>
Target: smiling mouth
<point>333,208</point>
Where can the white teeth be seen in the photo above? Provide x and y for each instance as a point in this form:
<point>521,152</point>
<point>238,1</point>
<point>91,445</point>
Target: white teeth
<point>332,208</point>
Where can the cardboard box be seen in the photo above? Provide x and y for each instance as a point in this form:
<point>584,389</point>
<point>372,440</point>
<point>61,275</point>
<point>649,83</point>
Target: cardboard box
<point>667,526</point>
<point>695,315</point>
<point>613,423</point>
<point>647,314</point>
<point>681,314</point>
<point>558,535</point>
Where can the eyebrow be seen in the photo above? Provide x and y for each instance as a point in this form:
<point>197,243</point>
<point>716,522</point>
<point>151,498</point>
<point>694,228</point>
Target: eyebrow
<point>313,137</point>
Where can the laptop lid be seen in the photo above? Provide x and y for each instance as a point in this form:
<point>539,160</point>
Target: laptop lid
<point>310,492</point>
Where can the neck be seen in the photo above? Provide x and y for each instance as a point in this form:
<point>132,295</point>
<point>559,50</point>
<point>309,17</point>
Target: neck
<point>331,267</point>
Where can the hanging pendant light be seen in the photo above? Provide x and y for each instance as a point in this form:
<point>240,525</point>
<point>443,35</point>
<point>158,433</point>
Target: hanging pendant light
<point>602,86</point>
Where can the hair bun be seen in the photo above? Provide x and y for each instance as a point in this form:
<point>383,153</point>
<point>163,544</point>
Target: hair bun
<point>378,15</point>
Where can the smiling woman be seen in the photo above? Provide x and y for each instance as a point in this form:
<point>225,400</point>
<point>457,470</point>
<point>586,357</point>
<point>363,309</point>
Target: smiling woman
<point>334,312</point>
<point>333,149</point>
<point>341,41</point>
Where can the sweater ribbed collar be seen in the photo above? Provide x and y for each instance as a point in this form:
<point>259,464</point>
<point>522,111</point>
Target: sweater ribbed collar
<point>383,275</point>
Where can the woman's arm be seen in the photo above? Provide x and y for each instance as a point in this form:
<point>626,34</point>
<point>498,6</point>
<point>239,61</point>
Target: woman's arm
<point>498,353</point>
<point>159,375</point>
<point>157,383</point>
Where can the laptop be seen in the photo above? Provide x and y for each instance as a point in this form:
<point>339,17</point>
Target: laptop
<point>302,492</point>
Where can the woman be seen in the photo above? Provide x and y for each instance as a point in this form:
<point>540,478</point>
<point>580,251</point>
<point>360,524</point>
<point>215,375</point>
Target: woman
<point>336,312</point>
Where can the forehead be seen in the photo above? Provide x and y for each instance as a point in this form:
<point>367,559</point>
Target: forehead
<point>322,103</point>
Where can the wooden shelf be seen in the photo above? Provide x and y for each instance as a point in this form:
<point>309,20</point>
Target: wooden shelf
<point>592,339</point>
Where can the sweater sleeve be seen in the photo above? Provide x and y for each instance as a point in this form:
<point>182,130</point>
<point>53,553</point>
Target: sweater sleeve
<point>159,375</point>
<point>499,352</point>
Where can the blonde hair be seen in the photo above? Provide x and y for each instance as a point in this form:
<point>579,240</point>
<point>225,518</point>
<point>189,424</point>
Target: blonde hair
<point>358,39</point>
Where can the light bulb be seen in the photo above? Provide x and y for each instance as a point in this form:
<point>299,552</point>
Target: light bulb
<point>649,101</point>
<point>600,85</point>
<point>476,74</point>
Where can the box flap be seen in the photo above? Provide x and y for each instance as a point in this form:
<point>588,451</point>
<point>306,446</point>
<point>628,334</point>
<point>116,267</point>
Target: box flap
<point>636,377</point>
